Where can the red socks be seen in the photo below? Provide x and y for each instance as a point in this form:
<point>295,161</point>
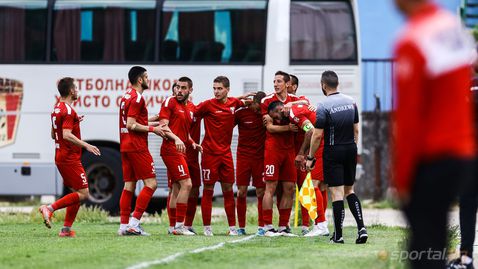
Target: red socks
<point>230,207</point>
<point>142,202</point>
<point>305,216</point>
<point>191,211</point>
<point>66,201</point>
<point>71,214</point>
<point>267,216</point>
<point>260,216</point>
<point>284,216</point>
<point>125,206</point>
<point>241,211</point>
<point>181,211</point>
<point>320,206</point>
<point>172,216</point>
<point>206,206</point>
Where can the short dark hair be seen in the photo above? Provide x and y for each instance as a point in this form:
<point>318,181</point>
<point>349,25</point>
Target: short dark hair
<point>186,79</point>
<point>294,79</point>
<point>284,75</point>
<point>222,79</point>
<point>330,79</point>
<point>65,85</point>
<point>258,97</point>
<point>273,105</point>
<point>134,73</point>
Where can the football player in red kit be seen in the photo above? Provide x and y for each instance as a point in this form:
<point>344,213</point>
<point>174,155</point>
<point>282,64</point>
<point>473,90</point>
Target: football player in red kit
<point>217,164</point>
<point>136,159</point>
<point>250,158</point>
<point>65,130</point>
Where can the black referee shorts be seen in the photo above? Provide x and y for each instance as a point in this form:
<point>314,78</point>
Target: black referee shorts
<point>340,163</point>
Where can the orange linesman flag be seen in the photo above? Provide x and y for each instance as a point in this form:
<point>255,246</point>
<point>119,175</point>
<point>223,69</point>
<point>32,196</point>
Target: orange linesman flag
<point>307,197</point>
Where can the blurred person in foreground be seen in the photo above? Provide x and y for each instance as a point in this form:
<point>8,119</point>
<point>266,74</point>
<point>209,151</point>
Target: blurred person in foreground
<point>433,135</point>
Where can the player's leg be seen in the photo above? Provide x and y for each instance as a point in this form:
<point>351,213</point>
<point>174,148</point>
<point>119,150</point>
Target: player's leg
<point>243,176</point>
<point>320,224</point>
<point>209,165</point>
<point>258,182</point>
<point>184,187</point>
<point>74,177</point>
<point>267,204</point>
<point>127,193</point>
<point>226,176</point>
<point>71,212</point>
<point>260,196</point>
<point>195,174</point>
<point>288,177</point>
<point>285,209</point>
<point>171,213</point>
<point>143,166</point>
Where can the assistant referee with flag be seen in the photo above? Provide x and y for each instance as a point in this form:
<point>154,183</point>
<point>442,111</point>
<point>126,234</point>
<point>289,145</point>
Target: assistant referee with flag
<point>337,122</point>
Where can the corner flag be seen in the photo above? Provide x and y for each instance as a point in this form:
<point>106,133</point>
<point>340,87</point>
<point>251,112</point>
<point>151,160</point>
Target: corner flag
<point>307,197</point>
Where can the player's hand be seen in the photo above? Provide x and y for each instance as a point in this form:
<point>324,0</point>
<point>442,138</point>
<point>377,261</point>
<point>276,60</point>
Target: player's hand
<point>293,128</point>
<point>93,149</point>
<point>180,146</point>
<point>300,162</point>
<point>158,130</point>
<point>197,147</point>
<point>312,108</point>
<point>309,165</point>
<point>81,117</point>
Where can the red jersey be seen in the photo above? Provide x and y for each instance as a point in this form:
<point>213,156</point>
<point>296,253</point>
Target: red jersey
<point>283,140</point>
<point>195,133</point>
<point>300,135</point>
<point>65,117</point>
<point>433,117</point>
<point>252,133</point>
<point>180,119</point>
<point>133,105</point>
<point>218,123</point>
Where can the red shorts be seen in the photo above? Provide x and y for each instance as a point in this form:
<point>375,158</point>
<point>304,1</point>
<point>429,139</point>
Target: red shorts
<point>217,168</point>
<point>194,172</point>
<point>73,175</point>
<point>137,166</point>
<point>246,168</point>
<point>279,165</point>
<point>177,167</point>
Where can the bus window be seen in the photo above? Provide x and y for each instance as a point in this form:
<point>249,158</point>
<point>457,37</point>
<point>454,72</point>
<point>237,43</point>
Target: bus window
<point>113,32</point>
<point>213,31</point>
<point>322,31</point>
<point>23,30</point>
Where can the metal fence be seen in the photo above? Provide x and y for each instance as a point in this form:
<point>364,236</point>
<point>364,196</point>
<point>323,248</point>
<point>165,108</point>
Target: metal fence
<point>377,84</point>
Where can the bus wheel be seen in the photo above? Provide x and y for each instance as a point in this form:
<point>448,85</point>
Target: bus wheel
<point>105,176</point>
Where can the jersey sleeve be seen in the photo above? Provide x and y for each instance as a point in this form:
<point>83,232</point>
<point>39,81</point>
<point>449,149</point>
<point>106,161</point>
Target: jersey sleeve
<point>201,109</point>
<point>263,107</point>
<point>68,120</point>
<point>321,117</point>
<point>238,103</point>
<point>166,108</point>
<point>135,108</point>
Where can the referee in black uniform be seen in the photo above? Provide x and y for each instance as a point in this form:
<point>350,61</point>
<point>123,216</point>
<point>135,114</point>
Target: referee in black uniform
<point>337,122</point>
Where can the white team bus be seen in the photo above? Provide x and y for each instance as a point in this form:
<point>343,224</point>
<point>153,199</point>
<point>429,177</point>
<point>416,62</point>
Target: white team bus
<point>96,42</point>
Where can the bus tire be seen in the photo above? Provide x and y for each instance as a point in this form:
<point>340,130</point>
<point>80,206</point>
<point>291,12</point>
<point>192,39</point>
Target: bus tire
<point>105,178</point>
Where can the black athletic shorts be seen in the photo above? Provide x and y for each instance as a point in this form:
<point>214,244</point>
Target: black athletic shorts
<point>340,163</point>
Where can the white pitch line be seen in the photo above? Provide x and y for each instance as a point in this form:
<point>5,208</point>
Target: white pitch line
<point>173,257</point>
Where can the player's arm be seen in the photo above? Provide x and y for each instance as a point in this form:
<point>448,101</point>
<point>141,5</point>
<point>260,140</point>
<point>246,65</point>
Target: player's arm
<point>170,135</point>
<point>356,132</point>
<point>272,128</point>
<point>52,133</point>
<point>308,128</point>
<point>314,146</point>
<point>298,102</point>
<point>70,137</point>
<point>134,126</point>
<point>195,145</point>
